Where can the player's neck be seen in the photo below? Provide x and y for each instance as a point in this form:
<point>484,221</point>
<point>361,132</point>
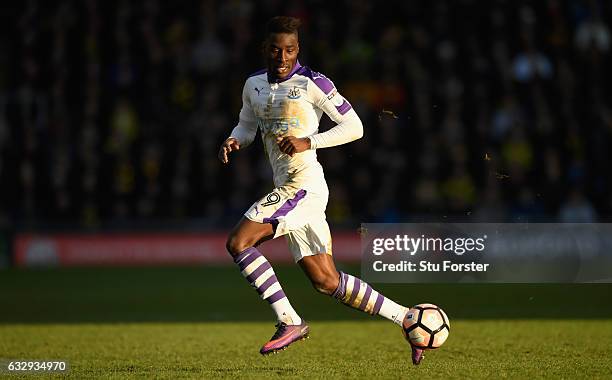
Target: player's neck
<point>273,79</point>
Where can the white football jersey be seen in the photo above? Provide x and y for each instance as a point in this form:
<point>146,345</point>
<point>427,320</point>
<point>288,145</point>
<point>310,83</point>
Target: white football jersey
<point>293,106</point>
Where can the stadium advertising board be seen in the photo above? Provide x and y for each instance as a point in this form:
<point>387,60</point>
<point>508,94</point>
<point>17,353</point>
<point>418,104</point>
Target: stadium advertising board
<point>150,249</point>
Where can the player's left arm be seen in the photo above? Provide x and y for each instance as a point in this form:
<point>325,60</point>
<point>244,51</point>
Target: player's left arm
<point>349,127</point>
<point>244,133</point>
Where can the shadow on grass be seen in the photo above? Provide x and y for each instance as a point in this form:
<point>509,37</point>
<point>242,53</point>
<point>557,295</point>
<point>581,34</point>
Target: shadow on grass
<point>193,294</point>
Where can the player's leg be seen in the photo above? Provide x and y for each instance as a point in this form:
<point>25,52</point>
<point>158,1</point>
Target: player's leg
<point>241,244</point>
<point>311,246</point>
<point>352,291</point>
<point>348,289</point>
<point>263,221</point>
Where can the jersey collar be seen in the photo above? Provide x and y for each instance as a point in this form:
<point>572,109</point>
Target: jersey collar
<point>295,70</point>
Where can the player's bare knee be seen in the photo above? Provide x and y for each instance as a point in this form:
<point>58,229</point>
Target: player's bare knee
<point>235,245</point>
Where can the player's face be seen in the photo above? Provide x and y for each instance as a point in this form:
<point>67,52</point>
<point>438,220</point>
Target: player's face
<point>281,54</point>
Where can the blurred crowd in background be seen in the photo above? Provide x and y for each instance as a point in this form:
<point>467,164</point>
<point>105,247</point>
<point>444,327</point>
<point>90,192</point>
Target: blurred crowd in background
<point>112,112</point>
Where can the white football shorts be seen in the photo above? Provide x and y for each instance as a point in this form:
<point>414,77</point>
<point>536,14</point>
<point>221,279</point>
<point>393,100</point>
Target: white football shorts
<point>297,214</point>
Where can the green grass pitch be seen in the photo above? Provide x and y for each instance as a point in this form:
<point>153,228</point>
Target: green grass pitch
<point>207,323</point>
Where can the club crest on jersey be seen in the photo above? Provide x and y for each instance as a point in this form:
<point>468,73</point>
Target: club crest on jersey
<point>294,93</point>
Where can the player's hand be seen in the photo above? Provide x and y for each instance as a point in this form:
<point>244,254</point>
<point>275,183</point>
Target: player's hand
<point>229,145</point>
<point>291,145</point>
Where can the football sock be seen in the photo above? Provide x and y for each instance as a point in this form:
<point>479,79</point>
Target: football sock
<point>358,294</point>
<point>259,273</point>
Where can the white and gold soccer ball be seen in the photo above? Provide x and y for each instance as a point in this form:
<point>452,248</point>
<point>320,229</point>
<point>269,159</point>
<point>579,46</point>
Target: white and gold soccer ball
<point>426,326</point>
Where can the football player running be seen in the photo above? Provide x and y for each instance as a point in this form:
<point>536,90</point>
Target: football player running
<point>285,101</point>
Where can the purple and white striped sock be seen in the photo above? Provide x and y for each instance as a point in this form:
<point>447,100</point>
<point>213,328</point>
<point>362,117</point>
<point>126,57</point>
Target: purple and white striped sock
<point>359,294</point>
<point>259,273</point>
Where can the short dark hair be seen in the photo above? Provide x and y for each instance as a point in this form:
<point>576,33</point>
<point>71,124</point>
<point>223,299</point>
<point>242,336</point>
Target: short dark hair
<point>283,24</point>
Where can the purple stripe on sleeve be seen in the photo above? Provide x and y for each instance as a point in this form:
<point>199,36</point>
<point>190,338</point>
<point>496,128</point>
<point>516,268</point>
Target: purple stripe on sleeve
<point>276,296</point>
<point>327,86</point>
<point>366,297</point>
<point>378,304</point>
<point>257,272</point>
<point>323,83</point>
<point>267,284</point>
<point>319,79</point>
<point>244,254</point>
<point>355,291</point>
<point>244,263</point>
<point>344,107</point>
<point>286,207</point>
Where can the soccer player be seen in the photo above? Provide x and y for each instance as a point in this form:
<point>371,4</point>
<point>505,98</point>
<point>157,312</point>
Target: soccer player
<point>286,101</point>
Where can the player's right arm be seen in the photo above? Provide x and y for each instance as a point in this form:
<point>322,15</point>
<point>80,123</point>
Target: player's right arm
<point>229,145</point>
<point>244,133</point>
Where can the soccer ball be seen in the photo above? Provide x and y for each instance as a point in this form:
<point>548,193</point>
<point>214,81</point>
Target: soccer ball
<point>426,326</point>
